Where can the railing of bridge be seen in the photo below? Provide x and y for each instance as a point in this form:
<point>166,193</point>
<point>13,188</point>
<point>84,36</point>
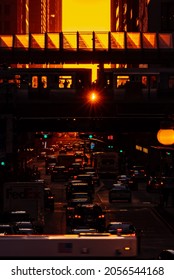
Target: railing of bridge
<point>88,41</point>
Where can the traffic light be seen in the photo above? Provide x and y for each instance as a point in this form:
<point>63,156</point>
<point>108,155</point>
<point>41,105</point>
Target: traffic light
<point>42,135</point>
<point>2,163</point>
<point>86,136</point>
<point>121,151</point>
<point>110,146</point>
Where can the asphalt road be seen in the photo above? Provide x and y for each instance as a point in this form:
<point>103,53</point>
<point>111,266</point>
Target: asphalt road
<point>156,232</point>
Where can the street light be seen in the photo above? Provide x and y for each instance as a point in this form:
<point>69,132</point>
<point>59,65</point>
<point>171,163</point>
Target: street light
<point>165,135</point>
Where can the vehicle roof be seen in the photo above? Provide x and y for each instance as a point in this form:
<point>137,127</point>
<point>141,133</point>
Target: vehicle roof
<point>79,184</point>
<point>119,187</point>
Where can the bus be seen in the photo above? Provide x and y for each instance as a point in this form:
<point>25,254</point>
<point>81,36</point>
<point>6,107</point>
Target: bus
<point>83,245</point>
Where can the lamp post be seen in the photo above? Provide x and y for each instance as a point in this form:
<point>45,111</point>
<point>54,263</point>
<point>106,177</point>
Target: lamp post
<point>165,135</point>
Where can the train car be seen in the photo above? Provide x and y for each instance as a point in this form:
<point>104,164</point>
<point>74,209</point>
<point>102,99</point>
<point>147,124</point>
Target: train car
<point>66,80</point>
<point>84,245</point>
<point>137,82</point>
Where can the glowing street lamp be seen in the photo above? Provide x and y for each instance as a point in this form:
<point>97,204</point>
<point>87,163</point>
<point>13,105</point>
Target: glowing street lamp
<point>165,135</point>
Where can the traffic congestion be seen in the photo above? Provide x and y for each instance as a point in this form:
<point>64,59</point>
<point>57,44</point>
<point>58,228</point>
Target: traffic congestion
<point>68,189</point>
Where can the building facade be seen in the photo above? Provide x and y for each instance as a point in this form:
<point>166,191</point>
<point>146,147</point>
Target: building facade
<point>35,16</point>
<point>14,16</point>
<point>129,15</point>
<point>163,21</point>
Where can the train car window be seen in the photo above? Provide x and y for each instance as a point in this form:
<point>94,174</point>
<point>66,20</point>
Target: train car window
<point>121,81</point>
<point>34,82</point>
<point>44,81</point>
<point>171,81</point>
<point>153,81</point>
<point>17,80</point>
<point>144,81</point>
<point>65,81</point>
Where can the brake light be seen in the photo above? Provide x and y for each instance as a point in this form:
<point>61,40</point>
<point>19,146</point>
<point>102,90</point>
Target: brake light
<point>127,248</point>
<point>77,216</point>
<point>50,197</point>
<point>101,216</point>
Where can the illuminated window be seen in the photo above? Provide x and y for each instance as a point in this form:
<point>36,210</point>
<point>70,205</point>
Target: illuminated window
<point>121,81</point>
<point>65,81</point>
<point>35,82</point>
<point>144,81</point>
<point>44,81</point>
<point>17,80</point>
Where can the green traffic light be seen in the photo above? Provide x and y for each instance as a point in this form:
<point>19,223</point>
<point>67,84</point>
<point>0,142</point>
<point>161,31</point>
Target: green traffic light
<point>90,136</point>
<point>121,151</point>
<point>2,163</point>
<point>45,136</point>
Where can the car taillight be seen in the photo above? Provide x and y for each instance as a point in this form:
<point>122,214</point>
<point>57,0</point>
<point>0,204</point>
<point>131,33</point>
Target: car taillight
<point>77,216</point>
<point>119,230</point>
<point>50,197</point>
<point>101,216</point>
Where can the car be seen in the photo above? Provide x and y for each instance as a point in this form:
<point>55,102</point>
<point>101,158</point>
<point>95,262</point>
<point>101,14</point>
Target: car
<point>75,168</point>
<point>48,199</point>
<point>154,184</point>
<point>50,159</point>
<point>166,254</point>
<point>95,178</point>
<point>88,215</point>
<point>25,227</point>
<point>128,180</point>
<point>82,229</point>
<point>120,228</point>
<point>7,229</point>
<point>49,168</point>
<point>59,173</point>
<point>62,150</point>
<point>86,178</point>
<point>79,198</point>
<point>77,186</point>
<point>138,172</point>
<point>79,154</point>
<point>41,156</point>
<point>15,216</point>
<point>120,192</point>
<point>26,231</point>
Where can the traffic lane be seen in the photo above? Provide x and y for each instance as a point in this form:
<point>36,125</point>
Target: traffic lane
<point>154,234</point>
<point>140,197</point>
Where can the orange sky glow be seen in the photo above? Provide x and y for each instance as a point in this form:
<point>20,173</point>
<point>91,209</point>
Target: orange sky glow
<point>86,15</point>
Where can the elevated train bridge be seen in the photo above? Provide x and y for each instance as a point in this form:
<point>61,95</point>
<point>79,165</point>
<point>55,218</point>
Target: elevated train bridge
<point>87,47</point>
<point>139,103</point>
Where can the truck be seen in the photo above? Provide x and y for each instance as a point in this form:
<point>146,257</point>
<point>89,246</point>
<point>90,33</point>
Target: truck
<point>65,160</point>
<point>106,164</point>
<point>84,245</point>
<point>25,196</point>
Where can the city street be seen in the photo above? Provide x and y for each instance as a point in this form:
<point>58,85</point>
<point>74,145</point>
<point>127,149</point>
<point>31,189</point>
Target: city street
<point>155,233</point>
